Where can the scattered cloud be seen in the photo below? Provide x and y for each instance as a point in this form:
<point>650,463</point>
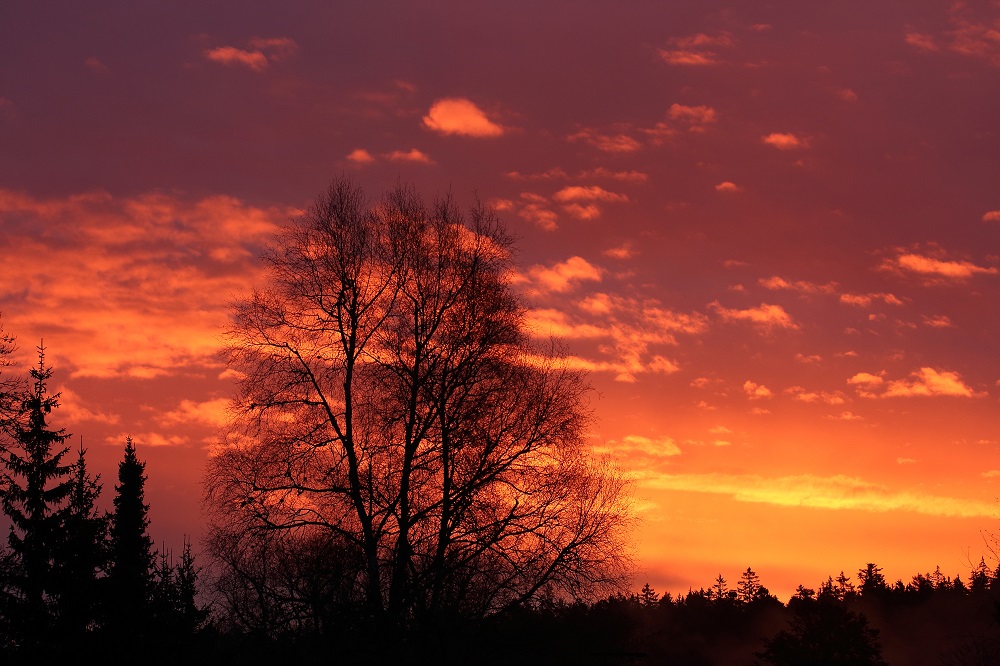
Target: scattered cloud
<point>211,412</point>
<point>926,381</point>
<point>865,300</point>
<point>802,286</point>
<point>846,416</point>
<point>935,268</point>
<point>921,41</point>
<point>640,446</point>
<point>784,141</point>
<point>360,156</point>
<point>412,155</point>
<point>825,397</point>
<point>938,321</point>
<point>756,391</point>
<point>866,379</point>
<point>132,286</point>
<point>459,116</point>
<point>697,118</point>
<point>609,143</point>
<point>929,381</point>
<point>621,252</point>
<point>562,276</point>
<point>839,492</point>
<point>583,193</point>
<point>765,316</point>
<point>261,52</point>
<point>696,50</point>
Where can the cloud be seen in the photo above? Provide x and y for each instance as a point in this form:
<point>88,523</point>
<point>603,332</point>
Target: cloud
<point>630,176</point>
<point>765,316</point>
<point>262,52</point>
<point>621,252</point>
<point>230,55</point>
<point>609,143</point>
<point>360,156</point>
<point>74,409</point>
<point>696,50</point>
<point>639,446</point>
<point>563,276</point>
<point>130,286</point>
<point>864,300</point>
<point>838,492</point>
<point>412,155</point>
<point>582,193</point>
<point>846,416</point>
<point>780,283</point>
<point>921,41</point>
<point>459,116</point>
<point>686,57</point>
<point>937,321</point>
<point>756,391</point>
<point>865,379</point>
<point>810,358</point>
<point>728,187</point>
<point>929,382</point>
<point>784,141</point>
<point>211,412</point>
<point>934,267</point>
<point>630,334</point>
<point>549,322</point>
<point>992,216</point>
<point>697,117</point>
<point>826,397</point>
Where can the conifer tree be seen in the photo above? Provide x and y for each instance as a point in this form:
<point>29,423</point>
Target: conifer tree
<point>748,586</point>
<point>35,497</point>
<point>83,555</point>
<point>131,549</point>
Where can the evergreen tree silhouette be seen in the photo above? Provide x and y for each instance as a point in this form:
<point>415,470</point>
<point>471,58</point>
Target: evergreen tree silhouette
<point>131,553</point>
<point>83,554</point>
<point>37,485</point>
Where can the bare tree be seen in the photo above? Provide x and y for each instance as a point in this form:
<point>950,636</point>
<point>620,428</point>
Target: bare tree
<point>393,407</point>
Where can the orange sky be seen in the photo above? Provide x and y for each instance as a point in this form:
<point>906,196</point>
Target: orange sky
<point>771,234</point>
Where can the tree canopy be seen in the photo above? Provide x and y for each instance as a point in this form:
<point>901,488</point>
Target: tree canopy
<point>396,416</point>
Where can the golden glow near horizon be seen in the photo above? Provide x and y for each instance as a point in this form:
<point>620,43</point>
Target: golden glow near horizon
<point>771,236</point>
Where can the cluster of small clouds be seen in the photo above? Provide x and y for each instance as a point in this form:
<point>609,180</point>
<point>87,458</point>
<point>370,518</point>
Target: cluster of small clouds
<point>698,50</point>
<point>129,287</point>
<point>925,381</point>
<point>624,138</point>
<point>582,202</point>
<point>968,35</point>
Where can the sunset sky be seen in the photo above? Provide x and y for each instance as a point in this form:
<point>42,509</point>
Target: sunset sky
<point>770,232</point>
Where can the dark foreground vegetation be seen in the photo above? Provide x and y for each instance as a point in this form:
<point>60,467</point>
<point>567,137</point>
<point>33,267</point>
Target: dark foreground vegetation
<point>405,479</point>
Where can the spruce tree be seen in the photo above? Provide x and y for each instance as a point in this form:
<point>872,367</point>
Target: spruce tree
<point>131,550</point>
<point>84,552</point>
<point>35,497</point>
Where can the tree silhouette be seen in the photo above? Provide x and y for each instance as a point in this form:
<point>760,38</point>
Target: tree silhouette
<point>824,633</point>
<point>131,551</point>
<point>748,586</point>
<point>82,555</point>
<point>394,406</point>
<point>36,488</point>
